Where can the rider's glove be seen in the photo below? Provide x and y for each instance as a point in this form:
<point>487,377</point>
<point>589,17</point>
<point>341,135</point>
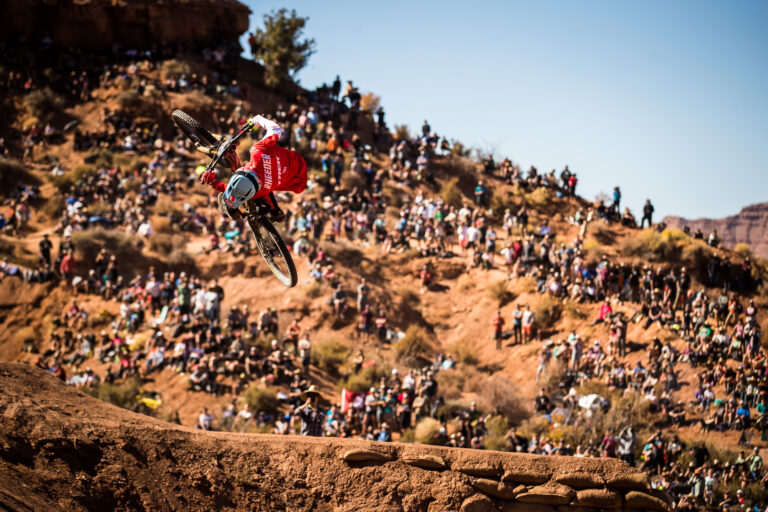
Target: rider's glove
<point>207,177</point>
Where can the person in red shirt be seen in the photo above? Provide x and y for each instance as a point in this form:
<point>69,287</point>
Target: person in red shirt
<point>271,168</point>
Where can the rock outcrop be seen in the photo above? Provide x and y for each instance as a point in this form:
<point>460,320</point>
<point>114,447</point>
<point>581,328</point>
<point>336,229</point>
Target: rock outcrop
<point>99,24</point>
<point>63,450</point>
<point>749,226</point>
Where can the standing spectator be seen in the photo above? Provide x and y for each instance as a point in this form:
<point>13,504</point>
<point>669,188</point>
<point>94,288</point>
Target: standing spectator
<point>626,448</point>
<point>45,250</point>
<point>311,417</point>
<point>362,294</point>
<point>647,214</point>
<point>67,266</point>
<point>517,325</point>
<point>616,200</point>
<point>305,352</point>
<point>528,319</point>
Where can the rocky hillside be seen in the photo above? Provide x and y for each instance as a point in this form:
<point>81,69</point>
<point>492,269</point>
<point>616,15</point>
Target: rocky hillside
<point>749,226</point>
<point>99,24</point>
<point>63,450</point>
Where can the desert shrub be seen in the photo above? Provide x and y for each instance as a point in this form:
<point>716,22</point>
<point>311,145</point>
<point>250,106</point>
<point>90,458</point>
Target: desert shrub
<point>43,104</point>
<point>73,178</point>
<point>132,184</point>
<point>465,351</point>
<point>497,430</point>
<point>450,193</point>
<point>652,245</point>
<point>573,310</point>
<point>459,150</point>
<point>526,284</point>
<point>408,435</point>
<point>596,387</point>
<point>539,197</point>
<point>123,394</point>
<point>172,69</point>
<point>370,102</point>
<point>547,312</point>
<point>743,250</point>
<point>593,250</point>
<point>180,259</point>
<point>498,203</point>
<point>127,162</point>
<point>165,244</point>
<point>498,391</point>
<point>12,174</point>
<point>90,241</point>
<point>409,296</point>
<point>402,132</point>
<point>164,206</point>
<point>533,426</point>
<point>351,181</point>
<point>343,255</point>
<point>100,158</point>
<point>314,289</point>
<point>329,354</point>
<point>54,206</point>
<point>450,383</point>
<point>362,381</point>
<point>260,398</point>
<point>25,335</point>
<point>415,346</point>
<point>425,431</point>
<point>500,292</point>
<point>602,232</point>
<point>162,225</point>
<point>129,100</point>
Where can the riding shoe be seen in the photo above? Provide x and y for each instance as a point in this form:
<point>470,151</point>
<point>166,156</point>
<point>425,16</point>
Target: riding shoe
<point>276,215</point>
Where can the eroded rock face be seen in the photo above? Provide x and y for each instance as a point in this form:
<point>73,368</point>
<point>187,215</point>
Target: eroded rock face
<point>749,226</point>
<point>74,452</point>
<point>99,24</point>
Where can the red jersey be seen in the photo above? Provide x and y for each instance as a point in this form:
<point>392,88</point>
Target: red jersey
<point>276,168</point>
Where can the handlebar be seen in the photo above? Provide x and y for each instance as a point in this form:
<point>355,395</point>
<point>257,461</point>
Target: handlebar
<point>224,148</point>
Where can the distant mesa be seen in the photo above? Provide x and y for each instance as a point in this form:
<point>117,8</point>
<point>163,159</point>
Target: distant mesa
<point>749,226</point>
<point>99,24</point>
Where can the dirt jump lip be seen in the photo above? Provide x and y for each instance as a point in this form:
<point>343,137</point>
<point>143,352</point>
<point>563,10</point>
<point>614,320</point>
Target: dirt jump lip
<point>62,449</point>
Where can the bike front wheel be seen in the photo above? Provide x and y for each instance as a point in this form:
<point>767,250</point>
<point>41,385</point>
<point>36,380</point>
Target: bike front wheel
<point>192,129</point>
<point>273,250</point>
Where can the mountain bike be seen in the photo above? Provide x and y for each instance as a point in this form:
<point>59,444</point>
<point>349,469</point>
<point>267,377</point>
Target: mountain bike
<point>222,151</point>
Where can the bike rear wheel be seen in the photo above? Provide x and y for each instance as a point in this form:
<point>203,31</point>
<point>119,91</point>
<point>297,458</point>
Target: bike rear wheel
<point>273,250</point>
<point>192,129</point>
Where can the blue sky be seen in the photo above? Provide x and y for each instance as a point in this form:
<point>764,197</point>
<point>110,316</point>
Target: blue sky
<point>668,100</point>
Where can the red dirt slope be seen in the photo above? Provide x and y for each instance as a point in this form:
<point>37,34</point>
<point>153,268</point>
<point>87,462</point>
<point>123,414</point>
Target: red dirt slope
<point>61,449</point>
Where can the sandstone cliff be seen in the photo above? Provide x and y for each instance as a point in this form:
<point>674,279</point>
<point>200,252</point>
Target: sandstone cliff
<point>749,226</point>
<point>98,24</point>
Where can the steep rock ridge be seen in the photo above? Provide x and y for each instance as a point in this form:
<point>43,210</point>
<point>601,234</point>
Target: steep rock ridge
<point>749,226</point>
<point>61,449</point>
<point>98,24</point>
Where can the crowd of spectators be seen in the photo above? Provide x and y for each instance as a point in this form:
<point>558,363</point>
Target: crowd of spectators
<point>173,320</point>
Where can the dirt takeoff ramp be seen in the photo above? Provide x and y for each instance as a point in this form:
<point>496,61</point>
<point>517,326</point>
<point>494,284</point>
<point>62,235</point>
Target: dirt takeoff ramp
<point>63,450</point>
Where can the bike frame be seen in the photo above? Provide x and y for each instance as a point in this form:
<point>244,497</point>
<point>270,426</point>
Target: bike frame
<point>226,146</point>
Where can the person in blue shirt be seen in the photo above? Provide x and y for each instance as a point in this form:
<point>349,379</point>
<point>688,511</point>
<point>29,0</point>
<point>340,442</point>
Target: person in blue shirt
<point>616,199</point>
<point>385,435</point>
<point>742,415</point>
<point>480,194</point>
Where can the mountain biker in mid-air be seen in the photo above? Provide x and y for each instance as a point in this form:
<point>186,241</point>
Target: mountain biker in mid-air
<point>271,168</point>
